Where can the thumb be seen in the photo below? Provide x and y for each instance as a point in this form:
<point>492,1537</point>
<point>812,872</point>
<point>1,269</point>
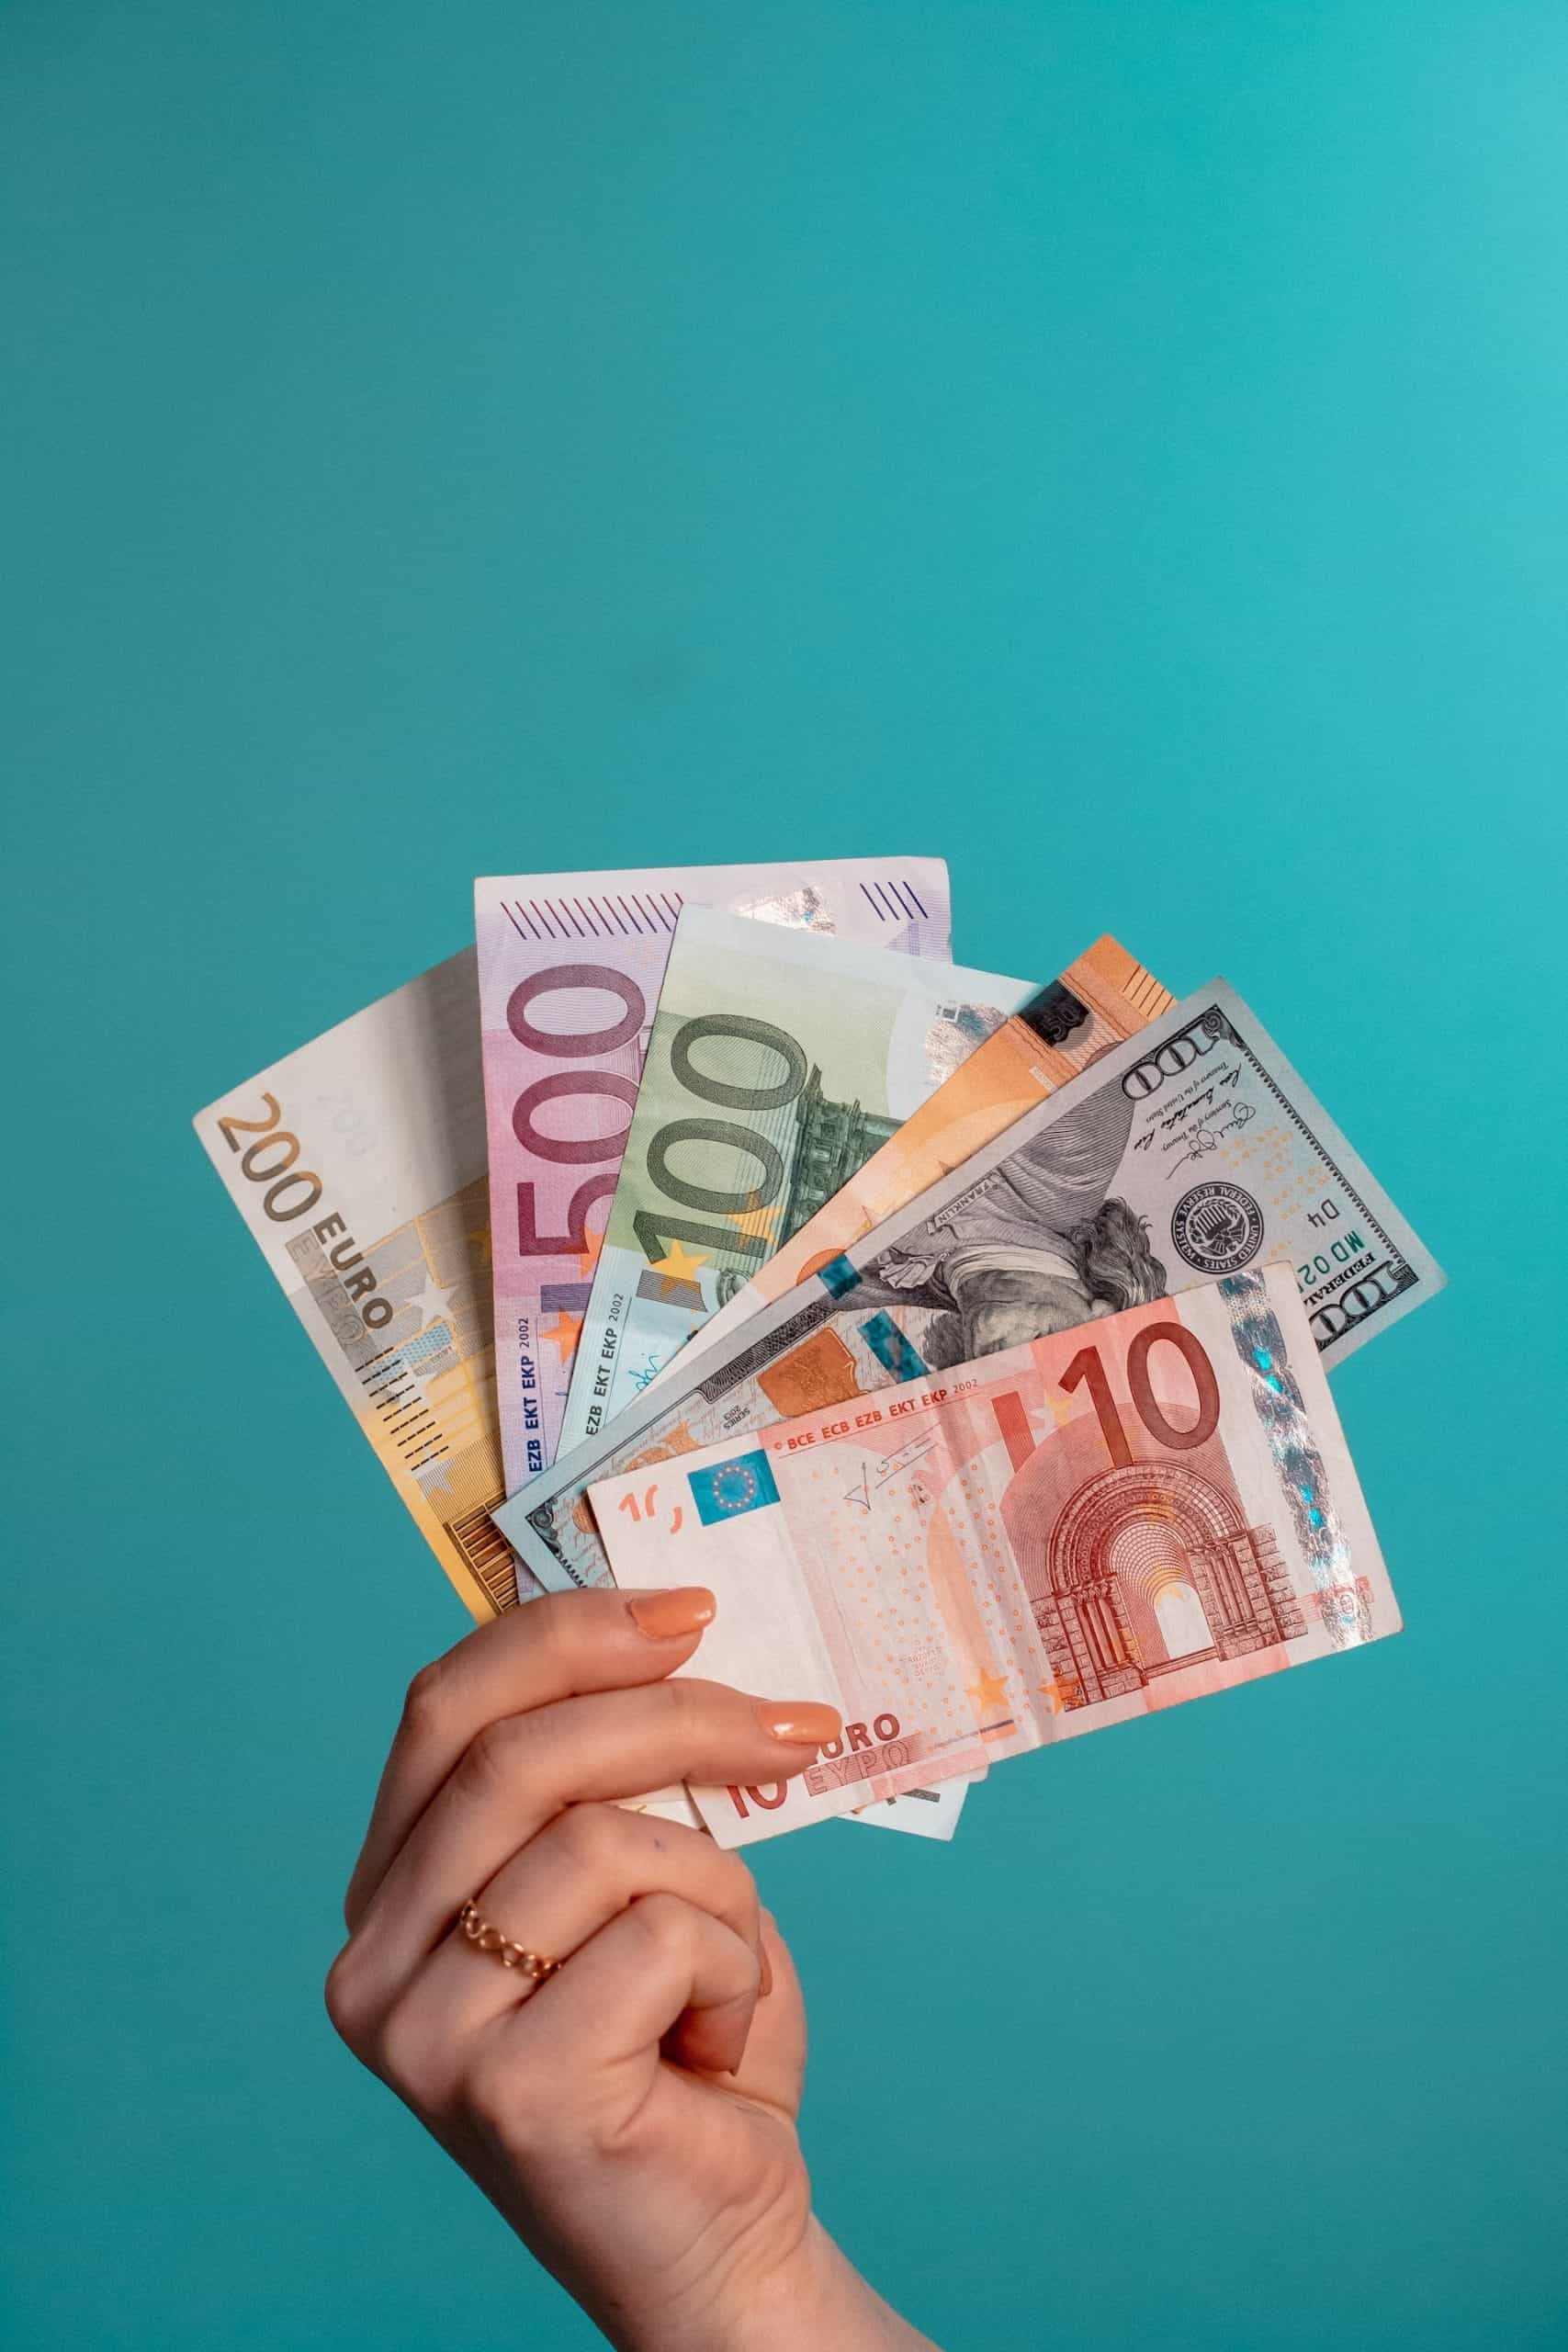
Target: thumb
<point>772,2071</point>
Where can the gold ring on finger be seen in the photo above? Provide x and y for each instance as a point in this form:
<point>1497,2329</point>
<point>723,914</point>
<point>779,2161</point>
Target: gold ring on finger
<point>485,1938</point>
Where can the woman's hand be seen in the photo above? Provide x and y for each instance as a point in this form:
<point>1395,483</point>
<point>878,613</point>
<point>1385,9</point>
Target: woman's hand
<point>633,2114</point>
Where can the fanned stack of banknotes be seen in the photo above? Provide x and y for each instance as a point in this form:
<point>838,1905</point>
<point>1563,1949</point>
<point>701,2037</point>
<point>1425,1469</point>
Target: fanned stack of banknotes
<point>966,1335</point>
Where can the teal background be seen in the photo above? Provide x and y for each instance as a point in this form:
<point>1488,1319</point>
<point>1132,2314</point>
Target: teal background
<point>1121,447</point>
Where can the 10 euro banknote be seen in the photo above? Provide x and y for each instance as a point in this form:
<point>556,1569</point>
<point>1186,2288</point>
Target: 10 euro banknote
<point>1069,1533</point>
<point>569,969</point>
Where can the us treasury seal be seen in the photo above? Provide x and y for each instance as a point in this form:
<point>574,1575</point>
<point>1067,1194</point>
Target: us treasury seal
<point>1217,1228</point>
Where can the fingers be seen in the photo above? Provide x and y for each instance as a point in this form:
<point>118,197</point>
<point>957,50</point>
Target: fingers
<point>523,1771</point>
<point>557,1648</point>
<point>588,1865</point>
<point>659,1965</point>
<point>594,1859</point>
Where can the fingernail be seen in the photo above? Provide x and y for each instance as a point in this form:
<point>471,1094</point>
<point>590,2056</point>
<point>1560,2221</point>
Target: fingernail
<point>805,1722</point>
<point>765,1985</point>
<point>663,1616</point>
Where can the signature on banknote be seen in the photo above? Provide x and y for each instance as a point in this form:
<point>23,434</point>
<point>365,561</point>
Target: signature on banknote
<point>1211,1131</point>
<point>893,1467</point>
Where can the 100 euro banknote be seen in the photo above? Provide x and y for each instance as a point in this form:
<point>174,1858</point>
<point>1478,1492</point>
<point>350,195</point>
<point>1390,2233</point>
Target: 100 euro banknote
<point>1102,998</point>
<point>1193,1149</point>
<point>570,966</point>
<point>1097,1525</point>
<point>778,1061</point>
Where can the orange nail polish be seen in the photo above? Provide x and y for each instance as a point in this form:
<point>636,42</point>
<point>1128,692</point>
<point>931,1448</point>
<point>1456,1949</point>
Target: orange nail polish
<point>665,1616</point>
<point>804,1722</point>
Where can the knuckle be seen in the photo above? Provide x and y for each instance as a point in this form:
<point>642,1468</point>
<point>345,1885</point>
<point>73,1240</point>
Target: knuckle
<point>664,1923</point>
<point>490,1760</point>
<point>558,1629</point>
<point>507,2099</point>
<point>687,1703</point>
<point>592,1835</point>
<point>391,2041</point>
<point>405,2060</point>
<point>549,1621</point>
<point>740,1885</point>
<point>424,1701</point>
<point>346,1993</point>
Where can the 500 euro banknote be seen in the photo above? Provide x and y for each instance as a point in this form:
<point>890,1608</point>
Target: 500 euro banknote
<point>1099,1524</point>
<point>570,967</point>
<point>720,1382</point>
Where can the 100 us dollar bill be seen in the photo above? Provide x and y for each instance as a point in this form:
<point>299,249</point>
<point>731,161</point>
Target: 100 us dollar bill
<point>1191,1151</point>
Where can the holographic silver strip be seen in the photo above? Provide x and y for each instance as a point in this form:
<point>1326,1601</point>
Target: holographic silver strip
<point>803,909</point>
<point>1341,1604</point>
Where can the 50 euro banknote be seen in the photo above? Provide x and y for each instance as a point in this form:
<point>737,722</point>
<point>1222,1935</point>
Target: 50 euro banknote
<point>1097,1525</point>
<point>778,1061</point>
<point>569,971</point>
<point>1191,1150</point>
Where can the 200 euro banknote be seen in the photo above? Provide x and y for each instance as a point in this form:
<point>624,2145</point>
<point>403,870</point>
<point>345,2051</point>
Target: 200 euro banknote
<point>359,1165</point>
<point>1096,1525</point>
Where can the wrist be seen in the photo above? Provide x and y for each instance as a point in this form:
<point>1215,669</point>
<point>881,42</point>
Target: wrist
<point>812,2299</point>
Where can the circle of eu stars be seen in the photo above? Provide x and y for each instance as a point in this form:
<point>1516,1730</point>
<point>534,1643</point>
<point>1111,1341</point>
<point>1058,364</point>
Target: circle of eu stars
<point>733,1486</point>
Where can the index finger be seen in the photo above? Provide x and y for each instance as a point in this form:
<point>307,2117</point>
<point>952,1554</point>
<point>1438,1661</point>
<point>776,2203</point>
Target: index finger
<point>561,1646</point>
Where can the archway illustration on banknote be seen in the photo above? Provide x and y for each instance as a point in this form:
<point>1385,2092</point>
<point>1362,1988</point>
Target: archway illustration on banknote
<point>1150,1568</point>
